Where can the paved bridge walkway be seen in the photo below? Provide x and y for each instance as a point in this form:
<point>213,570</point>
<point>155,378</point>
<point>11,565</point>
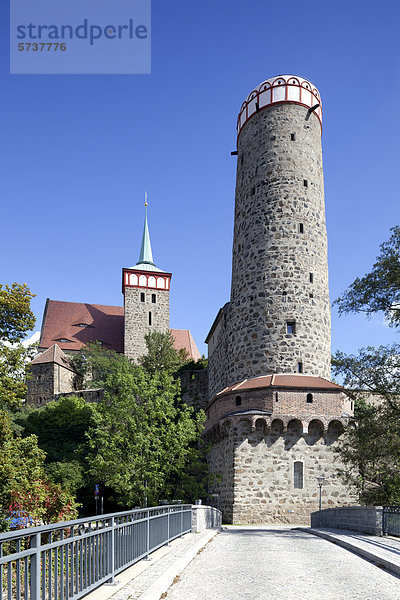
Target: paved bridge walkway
<point>264,563</point>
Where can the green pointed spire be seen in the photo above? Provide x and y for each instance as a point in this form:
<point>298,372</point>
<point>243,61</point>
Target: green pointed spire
<point>146,255</point>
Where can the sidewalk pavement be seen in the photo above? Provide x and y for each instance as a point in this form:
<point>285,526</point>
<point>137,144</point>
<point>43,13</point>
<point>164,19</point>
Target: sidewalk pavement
<point>382,551</point>
<point>148,580</point>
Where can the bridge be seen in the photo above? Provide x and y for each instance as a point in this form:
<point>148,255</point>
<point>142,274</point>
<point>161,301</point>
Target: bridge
<point>180,552</point>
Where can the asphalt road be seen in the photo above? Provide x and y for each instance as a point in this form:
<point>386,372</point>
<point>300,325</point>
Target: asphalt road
<point>280,564</point>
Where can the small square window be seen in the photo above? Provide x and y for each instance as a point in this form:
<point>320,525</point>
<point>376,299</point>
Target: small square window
<point>293,137</point>
<point>311,295</point>
<point>153,298</point>
<point>291,327</point>
<point>238,401</point>
<point>305,182</point>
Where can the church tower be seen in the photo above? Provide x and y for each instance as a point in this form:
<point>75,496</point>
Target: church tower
<point>146,298</point>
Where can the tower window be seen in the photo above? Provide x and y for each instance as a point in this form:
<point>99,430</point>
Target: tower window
<point>291,327</point>
<point>284,296</point>
<point>293,137</point>
<point>311,295</point>
<point>253,190</point>
<point>298,475</point>
<point>305,182</point>
<point>238,401</point>
<point>301,228</point>
<point>311,277</point>
<point>142,297</point>
<point>276,397</point>
<point>153,298</point>
<point>149,318</point>
<point>300,367</point>
<point>309,398</point>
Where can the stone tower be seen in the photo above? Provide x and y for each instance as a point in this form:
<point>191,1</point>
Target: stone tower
<point>146,299</point>
<point>278,318</point>
<point>274,416</point>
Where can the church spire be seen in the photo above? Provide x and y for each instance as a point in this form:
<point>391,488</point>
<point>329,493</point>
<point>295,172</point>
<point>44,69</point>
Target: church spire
<point>146,255</point>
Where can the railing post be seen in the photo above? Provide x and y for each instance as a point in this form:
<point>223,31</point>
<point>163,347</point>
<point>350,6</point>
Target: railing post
<point>112,550</point>
<point>148,536</point>
<point>168,535</point>
<point>181,520</point>
<point>35,567</point>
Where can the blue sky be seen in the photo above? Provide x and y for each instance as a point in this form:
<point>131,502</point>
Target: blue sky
<point>77,153</point>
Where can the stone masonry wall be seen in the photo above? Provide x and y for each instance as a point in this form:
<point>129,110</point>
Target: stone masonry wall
<point>221,469</point>
<point>137,318</point>
<point>263,475</point>
<point>40,384</point>
<point>218,355</point>
<point>46,380</point>
<point>279,268</point>
<point>366,519</point>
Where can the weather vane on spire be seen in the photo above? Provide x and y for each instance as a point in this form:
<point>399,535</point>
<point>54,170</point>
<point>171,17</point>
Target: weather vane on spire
<point>145,199</point>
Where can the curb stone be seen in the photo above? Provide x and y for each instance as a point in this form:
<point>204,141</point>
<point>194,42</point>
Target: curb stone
<point>164,582</point>
<point>377,560</point>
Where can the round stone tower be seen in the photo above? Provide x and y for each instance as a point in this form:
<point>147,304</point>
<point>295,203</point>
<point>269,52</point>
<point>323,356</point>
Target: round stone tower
<point>279,313</point>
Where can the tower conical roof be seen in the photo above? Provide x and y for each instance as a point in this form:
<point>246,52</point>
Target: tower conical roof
<point>145,262</point>
<point>146,255</point>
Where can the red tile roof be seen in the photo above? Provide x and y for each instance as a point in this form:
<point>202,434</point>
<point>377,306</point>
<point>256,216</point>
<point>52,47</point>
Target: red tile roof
<point>281,380</point>
<point>62,324</point>
<point>54,354</point>
<point>183,339</point>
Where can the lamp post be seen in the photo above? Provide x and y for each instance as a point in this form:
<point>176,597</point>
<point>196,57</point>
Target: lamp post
<point>320,480</point>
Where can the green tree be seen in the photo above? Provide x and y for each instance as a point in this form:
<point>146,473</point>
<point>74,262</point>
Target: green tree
<point>24,485</point>
<point>61,428</point>
<point>16,319</point>
<point>371,451</point>
<point>161,354</point>
<point>143,437</point>
<point>379,290</point>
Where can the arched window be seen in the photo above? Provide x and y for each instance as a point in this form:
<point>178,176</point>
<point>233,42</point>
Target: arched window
<point>298,475</point>
<point>309,398</point>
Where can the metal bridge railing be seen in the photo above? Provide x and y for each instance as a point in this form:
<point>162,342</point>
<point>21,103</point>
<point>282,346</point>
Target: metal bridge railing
<point>67,560</point>
<point>391,520</point>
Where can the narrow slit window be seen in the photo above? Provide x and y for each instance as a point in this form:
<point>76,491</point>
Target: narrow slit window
<point>142,297</point>
<point>299,367</point>
<point>291,327</point>
<point>305,182</point>
<point>253,190</point>
<point>301,228</point>
<point>311,277</point>
<point>149,318</point>
<point>309,398</point>
<point>153,298</point>
<point>238,401</point>
<point>276,397</point>
<point>284,296</point>
<point>298,475</point>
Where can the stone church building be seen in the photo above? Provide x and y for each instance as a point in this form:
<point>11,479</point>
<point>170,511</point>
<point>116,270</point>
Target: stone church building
<point>69,326</point>
<point>273,414</point>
